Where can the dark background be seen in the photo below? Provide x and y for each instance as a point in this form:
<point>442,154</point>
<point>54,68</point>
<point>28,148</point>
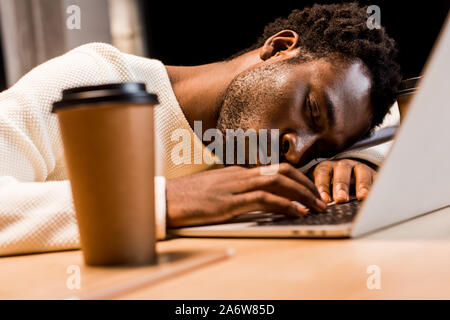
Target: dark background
<point>189,33</point>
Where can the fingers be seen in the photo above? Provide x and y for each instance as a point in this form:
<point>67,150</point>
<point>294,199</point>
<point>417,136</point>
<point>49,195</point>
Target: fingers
<point>332,180</point>
<point>364,180</point>
<point>295,174</point>
<point>288,170</point>
<point>285,187</point>
<point>341,181</point>
<point>288,182</point>
<point>322,179</point>
<point>265,201</point>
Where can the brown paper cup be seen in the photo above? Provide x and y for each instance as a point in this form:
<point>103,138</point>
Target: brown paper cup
<point>109,153</point>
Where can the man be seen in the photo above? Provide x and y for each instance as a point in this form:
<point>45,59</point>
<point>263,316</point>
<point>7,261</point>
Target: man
<point>320,77</point>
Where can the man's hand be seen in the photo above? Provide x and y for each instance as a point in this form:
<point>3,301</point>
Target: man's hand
<point>219,195</point>
<point>340,175</point>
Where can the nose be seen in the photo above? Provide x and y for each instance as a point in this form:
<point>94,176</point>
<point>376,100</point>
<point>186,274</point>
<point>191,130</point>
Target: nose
<point>295,148</point>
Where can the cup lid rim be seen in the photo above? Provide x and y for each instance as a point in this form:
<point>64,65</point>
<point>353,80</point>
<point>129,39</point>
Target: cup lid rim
<point>134,92</point>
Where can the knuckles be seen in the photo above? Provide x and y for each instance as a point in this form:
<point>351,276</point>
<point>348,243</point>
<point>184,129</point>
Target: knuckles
<point>260,196</point>
<point>323,167</point>
<point>326,163</point>
<point>362,166</point>
<point>321,170</point>
<point>274,180</point>
<point>285,167</point>
<point>344,164</point>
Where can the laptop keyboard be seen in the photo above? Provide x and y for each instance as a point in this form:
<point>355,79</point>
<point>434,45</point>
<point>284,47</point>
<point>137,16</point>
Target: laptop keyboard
<point>335,214</point>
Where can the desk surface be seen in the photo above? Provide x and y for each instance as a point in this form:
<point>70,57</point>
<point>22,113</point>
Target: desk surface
<point>413,257</point>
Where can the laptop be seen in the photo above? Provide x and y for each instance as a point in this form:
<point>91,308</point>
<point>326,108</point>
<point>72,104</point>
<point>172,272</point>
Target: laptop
<point>413,180</point>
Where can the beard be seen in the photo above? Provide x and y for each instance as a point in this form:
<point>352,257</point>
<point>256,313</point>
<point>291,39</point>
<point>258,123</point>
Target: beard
<point>248,104</point>
<point>243,101</point>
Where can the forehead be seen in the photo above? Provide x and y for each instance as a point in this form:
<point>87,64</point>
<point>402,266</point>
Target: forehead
<point>346,86</point>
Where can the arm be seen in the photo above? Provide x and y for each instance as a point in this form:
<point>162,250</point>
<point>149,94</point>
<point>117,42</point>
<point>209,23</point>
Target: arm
<point>36,209</point>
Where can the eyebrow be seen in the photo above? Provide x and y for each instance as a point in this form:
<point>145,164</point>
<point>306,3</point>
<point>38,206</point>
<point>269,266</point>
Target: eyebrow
<point>330,109</point>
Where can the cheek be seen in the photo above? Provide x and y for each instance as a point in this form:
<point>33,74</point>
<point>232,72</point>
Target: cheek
<point>280,106</point>
<point>361,120</point>
<point>269,115</point>
<point>285,113</point>
<point>273,116</point>
<point>350,133</point>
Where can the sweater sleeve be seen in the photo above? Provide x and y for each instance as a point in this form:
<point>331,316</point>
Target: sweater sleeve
<point>36,207</point>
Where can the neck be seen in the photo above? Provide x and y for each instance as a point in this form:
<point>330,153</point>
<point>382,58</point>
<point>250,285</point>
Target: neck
<point>200,89</point>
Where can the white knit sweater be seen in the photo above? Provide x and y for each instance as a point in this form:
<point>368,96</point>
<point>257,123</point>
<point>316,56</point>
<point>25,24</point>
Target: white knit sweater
<point>36,209</point>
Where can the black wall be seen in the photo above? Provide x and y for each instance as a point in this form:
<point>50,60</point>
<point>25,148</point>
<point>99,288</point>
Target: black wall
<point>188,33</point>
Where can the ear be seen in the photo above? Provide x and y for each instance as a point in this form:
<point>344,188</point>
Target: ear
<point>282,42</point>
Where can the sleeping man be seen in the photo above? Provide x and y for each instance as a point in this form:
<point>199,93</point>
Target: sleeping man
<point>321,77</point>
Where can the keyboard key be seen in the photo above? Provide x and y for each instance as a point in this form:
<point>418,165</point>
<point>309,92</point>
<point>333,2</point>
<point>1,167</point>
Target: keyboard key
<point>335,214</point>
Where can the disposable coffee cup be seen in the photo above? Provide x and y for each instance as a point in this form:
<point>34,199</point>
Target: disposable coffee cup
<point>108,137</point>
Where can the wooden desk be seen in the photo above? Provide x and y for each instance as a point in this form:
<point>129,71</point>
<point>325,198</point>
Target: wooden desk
<point>414,258</point>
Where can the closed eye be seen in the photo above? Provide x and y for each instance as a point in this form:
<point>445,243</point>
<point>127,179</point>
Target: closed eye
<point>314,111</point>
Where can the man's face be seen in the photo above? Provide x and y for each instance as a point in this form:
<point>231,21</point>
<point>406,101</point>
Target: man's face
<point>320,107</point>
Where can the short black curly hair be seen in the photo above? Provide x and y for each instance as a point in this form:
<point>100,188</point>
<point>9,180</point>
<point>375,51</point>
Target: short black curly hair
<point>328,29</point>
